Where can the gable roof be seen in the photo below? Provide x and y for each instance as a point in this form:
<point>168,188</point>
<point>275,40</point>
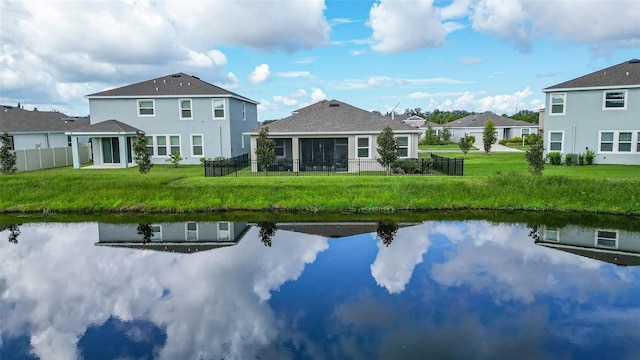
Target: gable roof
<point>107,126</point>
<point>179,84</point>
<point>333,116</point>
<point>626,74</point>
<point>15,120</point>
<point>480,120</point>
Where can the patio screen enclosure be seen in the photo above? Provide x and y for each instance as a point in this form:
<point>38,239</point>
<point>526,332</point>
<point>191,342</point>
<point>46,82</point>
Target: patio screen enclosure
<point>323,154</point>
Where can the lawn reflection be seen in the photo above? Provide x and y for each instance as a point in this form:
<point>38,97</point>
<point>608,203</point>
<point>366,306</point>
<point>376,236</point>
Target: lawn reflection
<point>341,289</point>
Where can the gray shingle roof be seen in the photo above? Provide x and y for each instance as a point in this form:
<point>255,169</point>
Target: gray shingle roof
<point>16,120</point>
<point>331,116</point>
<point>107,126</point>
<point>179,84</point>
<point>480,120</point>
<point>623,74</point>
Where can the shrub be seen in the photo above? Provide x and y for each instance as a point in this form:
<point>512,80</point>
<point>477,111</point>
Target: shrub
<point>141,155</point>
<point>555,158</point>
<point>174,158</point>
<point>489,136</point>
<point>581,159</point>
<point>568,159</point>
<point>589,156</point>
<point>535,155</point>
<point>7,157</point>
<point>465,144</point>
<point>203,159</point>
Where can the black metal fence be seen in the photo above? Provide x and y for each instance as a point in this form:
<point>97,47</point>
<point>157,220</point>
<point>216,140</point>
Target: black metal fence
<point>244,166</point>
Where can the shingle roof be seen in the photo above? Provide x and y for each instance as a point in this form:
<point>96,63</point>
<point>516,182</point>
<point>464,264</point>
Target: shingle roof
<point>179,84</point>
<point>16,120</point>
<point>480,120</point>
<point>331,116</point>
<point>623,74</point>
<point>107,126</point>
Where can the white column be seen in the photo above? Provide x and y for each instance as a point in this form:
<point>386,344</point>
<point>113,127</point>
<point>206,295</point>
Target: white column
<point>75,153</point>
<point>122,139</point>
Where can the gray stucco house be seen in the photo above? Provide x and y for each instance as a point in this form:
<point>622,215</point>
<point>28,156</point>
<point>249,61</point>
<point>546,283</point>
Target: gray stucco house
<point>177,112</point>
<point>473,125</point>
<point>599,111</point>
<point>331,132</point>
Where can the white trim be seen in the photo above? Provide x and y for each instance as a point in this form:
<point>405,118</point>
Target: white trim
<point>635,139</point>
<point>229,96</point>
<point>186,231</point>
<point>244,111</point>
<point>604,100</point>
<point>370,153</point>
<point>561,142</point>
<point>334,133</point>
<point>564,103</point>
<point>616,239</point>
<point>201,145</point>
<point>591,88</point>
<point>225,106</point>
<point>408,146</point>
<point>190,109</point>
<point>153,107</point>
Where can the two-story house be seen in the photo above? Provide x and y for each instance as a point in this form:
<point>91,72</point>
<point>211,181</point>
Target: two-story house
<point>599,112</point>
<point>176,112</point>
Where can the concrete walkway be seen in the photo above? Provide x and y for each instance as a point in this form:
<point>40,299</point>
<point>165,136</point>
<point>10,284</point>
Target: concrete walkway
<point>494,148</point>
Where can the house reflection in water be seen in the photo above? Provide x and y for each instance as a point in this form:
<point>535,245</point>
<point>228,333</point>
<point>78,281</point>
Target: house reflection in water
<point>617,247</point>
<point>179,237</point>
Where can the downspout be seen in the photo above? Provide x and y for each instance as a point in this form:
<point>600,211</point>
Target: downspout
<point>220,133</point>
<point>573,151</point>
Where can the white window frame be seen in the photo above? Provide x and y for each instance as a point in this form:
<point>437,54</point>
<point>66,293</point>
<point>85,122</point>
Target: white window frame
<point>637,142</point>
<point>180,101</point>
<point>564,104</point>
<point>561,141</point>
<point>522,134</point>
<point>408,147</point>
<point>368,147</point>
<point>615,147</point>
<point>244,111</point>
<point>167,144</point>
<point>156,235</point>
<point>153,108</point>
<point>224,235</point>
<point>187,231</point>
<point>598,237</point>
<point>224,109</point>
<point>193,146</point>
<point>552,230</point>
<point>604,100</point>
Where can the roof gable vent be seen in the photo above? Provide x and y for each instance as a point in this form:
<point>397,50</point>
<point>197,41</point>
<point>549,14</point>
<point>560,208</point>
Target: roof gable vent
<point>634,61</point>
<point>334,105</point>
<point>176,75</point>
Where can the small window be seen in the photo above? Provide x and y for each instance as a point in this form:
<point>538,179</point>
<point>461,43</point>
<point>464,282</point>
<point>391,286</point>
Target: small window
<point>244,111</point>
<point>525,132</point>
<point>624,142</point>
<point>156,231</point>
<point>614,100</point>
<point>638,142</point>
<point>196,145</point>
<point>551,234</point>
<point>146,108</point>
<point>606,141</point>
<point>218,109</point>
<point>555,141</point>
<point>69,140</point>
<point>150,145</point>
<point>185,109</point>
<point>11,145</point>
<point>362,147</point>
<point>403,146</point>
<point>162,145</point>
<point>191,231</point>
<point>607,238</point>
<point>175,144</point>
<point>224,232</point>
<point>558,103</point>
<point>279,147</point>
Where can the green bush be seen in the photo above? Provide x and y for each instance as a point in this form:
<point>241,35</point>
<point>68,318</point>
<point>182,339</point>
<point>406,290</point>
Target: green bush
<point>581,159</point>
<point>513,141</point>
<point>589,156</point>
<point>568,159</point>
<point>555,158</point>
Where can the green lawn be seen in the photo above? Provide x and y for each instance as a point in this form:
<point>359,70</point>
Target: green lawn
<point>442,147</point>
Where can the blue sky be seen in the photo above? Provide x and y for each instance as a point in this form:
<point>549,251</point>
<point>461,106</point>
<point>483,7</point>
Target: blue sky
<point>475,55</point>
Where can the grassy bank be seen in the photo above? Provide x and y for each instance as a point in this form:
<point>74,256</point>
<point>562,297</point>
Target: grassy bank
<point>495,181</point>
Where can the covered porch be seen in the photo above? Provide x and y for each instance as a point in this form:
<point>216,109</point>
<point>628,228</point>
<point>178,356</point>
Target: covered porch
<point>111,143</point>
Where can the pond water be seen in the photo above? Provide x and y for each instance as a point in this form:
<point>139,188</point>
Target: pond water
<point>471,289</point>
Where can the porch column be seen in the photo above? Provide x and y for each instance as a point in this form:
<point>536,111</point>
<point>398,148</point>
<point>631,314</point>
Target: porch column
<point>295,153</point>
<point>75,153</point>
<point>254,163</point>
<point>122,139</point>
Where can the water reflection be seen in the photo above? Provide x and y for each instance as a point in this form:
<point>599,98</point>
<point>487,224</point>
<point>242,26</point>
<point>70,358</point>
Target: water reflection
<point>463,289</point>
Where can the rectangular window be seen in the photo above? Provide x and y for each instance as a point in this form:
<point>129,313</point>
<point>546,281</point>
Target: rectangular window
<point>606,141</point>
<point>11,145</point>
<point>185,109</point>
<point>196,145</point>
<point>162,146</point>
<point>607,238</point>
<point>244,111</point>
<point>175,144</point>
<point>362,147</point>
<point>555,141</point>
<point>551,234</point>
<point>224,233</point>
<point>218,109</point>
<point>146,108</point>
<point>403,146</point>
<point>279,147</point>
<point>624,142</point>
<point>191,231</point>
<point>156,232</point>
<point>638,142</point>
<point>150,145</point>
<point>558,103</point>
<point>614,100</point>
<point>525,132</point>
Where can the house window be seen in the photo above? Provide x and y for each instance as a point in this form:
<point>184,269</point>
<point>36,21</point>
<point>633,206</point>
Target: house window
<point>146,108</point>
<point>244,111</point>
<point>551,234</point>
<point>558,103</point>
<point>638,142</point>
<point>11,145</point>
<point>175,144</point>
<point>156,231</point>
<point>150,145</point>
<point>614,100</point>
<point>218,109</point>
<point>185,109</point>
<point>224,232</point>
<point>196,145</point>
<point>161,141</point>
<point>624,142</point>
<point>163,145</point>
<point>525,132</point>
<point>191,231</point>
<point>403,146</point>
<point>619,141</point>
<point>279,147</point>
<point>606,141</point>
<point>607,238</point>
<point>555,141</point>
<point>362,147</point>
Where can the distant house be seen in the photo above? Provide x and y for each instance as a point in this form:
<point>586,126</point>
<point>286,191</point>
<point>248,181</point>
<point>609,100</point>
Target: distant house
<point>473,125</point>
<point>177,112</point>
<point>330,132</point>
<point>599,111</point>
<point>38,129</point>
<point>420,123</point>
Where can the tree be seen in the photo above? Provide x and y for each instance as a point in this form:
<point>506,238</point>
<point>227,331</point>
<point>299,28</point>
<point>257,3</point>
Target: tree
<point>7,157</point>
<point>465,144</point>
<point>388,148</point>
<point>140,154</point>
<point>386,231</point>
<point>267,230</point>
<point>489,135</point>
<point>535,154</point>
<point>265,150</point>
<point>446,134</point>
<point>430,137</point>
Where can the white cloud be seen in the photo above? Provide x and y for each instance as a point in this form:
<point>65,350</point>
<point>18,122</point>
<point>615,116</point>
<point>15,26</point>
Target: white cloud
<point>294,74</point>
<point>260,74</point>
<point>499,104</point>
<point>395,25</point>
<point>386,81</point>
<point>231,82</point>
<point>317,95</point>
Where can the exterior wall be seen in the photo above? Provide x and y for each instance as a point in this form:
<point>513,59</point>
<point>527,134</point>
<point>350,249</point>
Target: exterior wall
<point>586,237</point>
<point>220,136</point>
<point>501,132</point>
<point>170,232</point>
<point>585,118</point>
<point>42,140</point>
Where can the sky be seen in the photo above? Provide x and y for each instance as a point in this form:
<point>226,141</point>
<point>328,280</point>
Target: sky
<point>474,55</point>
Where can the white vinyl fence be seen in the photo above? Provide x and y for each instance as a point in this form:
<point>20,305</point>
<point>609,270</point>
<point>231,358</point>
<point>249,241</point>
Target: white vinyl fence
<point>36,159</point>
